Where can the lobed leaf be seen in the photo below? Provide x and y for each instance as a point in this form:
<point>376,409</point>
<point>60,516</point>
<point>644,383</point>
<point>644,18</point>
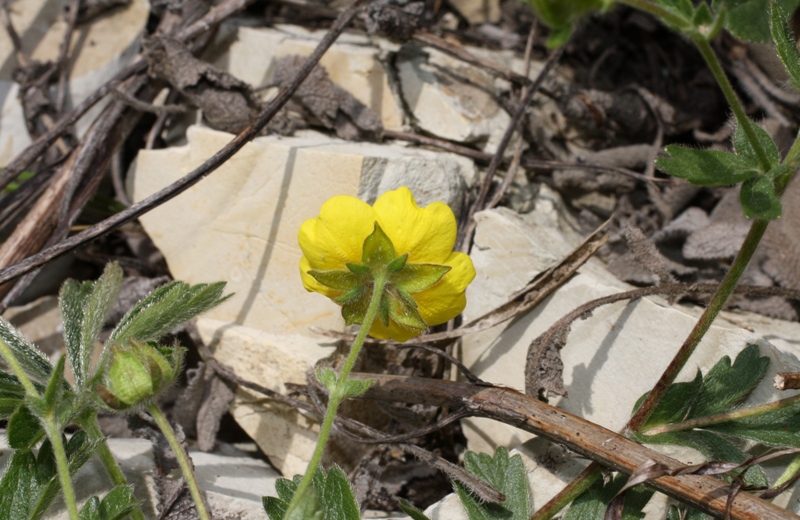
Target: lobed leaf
<point>330,496</point>
<point>759,199</point>
<point>725,384</point>
<point>593,503</point>
<point>505,474</point>
<point>744,148</point>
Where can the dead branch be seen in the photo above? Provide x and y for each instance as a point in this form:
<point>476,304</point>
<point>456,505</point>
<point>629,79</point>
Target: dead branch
<point>588,439</point>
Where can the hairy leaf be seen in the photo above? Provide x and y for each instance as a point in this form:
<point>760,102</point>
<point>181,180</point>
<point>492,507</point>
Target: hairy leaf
<point>330,496</point>
<point>104,293</point>
<point>115,505</point>
<point>11,394</point>
<point>785,43</point>
<point>410,510</point>
<point>776,428</point>
<point>749,19</point>
<point>726,385</point>
<point>744,147</point>
<point>593,503</point>
<point>33,361</point>
<point>166,308</point>
<point>24,429</point>
<point>706,167</point>
<point>504,473</point>
<point>759,199</point>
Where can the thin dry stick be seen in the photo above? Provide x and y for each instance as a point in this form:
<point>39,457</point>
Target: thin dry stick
<point>610,449</point>
<point>533,164</point>
<point>34,150</point>
<point>63,55</point>
<point>465,240</point>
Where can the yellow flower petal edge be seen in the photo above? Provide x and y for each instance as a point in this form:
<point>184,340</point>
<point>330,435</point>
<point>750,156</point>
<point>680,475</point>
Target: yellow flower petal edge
<point>336,237</point>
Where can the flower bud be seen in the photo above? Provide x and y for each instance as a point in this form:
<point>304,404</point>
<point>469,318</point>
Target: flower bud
<point>138,373</point>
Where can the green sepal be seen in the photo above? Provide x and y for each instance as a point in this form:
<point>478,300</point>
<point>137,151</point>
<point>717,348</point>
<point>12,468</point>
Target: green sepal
<point>354,310</point>
<point>378,249</point>
<point>418,277</point>
<point>328,378</point>
<point>759,199</point>
<point>397,264</point>
<point>356,387</point>
<point>350,295</point>
<point>340,280</point>
<point>383,308</point>
<point>358,268</point>
<point>403,312</point>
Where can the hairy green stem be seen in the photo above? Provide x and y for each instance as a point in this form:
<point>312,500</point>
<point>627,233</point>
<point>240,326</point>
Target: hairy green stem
<point>183,460</point>
<point>92,429</point>
<point>337,396</point>
<point>709,420</point>
<point>789,473</point>
<point>573,490</point>
<point>62,464</point>
<point>716,69</point>
<point>15,367</point>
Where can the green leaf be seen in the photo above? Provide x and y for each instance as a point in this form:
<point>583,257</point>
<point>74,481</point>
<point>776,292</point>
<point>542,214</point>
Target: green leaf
<point>337,499</point>
<point>72,299</point>
<point>505,474</point>
<point>785,43</point>
<point>90,510</point>
<point>750,19</point>
<point>117,503</point>
<point>706,167</point>
<point>676,404</point>
<point>686,513</point>
<point>33,361</point>
<point>702,16</point>
<point>418,277</point>
<point>776,428</point>
<point>329,496</point>
<point>593,503</point>
<point>356,387</point>
<point>378,249</point>
<point>725,384</point>
<point>24,429</point>
<point>744,147</point>
<point>11,394</point>
<point>328,378</point>
<point>104,293</point>
<point>410,510</point>
<point>55,386</point>
<point>759,199</point>
<point>166,308</point>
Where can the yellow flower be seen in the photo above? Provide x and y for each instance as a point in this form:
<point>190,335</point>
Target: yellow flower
<point>333,246</point>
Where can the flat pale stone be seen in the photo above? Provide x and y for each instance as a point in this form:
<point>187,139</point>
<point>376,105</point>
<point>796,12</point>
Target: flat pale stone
<point>445,106</point>
<point>611,358</point>
<point>353,63</point>
<point>240,225</point>
<point>104,46</point>
<point>40,322</point>
<point>478,11</point>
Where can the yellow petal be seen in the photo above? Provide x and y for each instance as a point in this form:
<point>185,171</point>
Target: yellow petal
<point>445,299</point>
<point>394,331</point>
<point>426,234</point>
<point>311,284</point>
<point>337,236</point>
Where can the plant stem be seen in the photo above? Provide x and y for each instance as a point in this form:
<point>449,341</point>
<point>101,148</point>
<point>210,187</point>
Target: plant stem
<point>11,359</point>
<point>183,460</point>
<point>716,69</point>
<point>573,490</point>
<point>722,417</point>
<point>724,290</point>
<point>62,465</point>
<point>337,396</point>
<point>116,475</point>
<point>791,472</point>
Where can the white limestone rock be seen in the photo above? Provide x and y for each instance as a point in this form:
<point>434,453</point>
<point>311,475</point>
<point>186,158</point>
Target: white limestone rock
<point>446,106</point>
<point>240,225</point>
<point>353,62</point>
<point>478,11</point>
<point>611,358</point>
<point>104,46</point>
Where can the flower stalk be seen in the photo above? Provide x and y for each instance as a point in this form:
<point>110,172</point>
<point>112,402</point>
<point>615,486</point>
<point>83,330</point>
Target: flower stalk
<point>338,394</point>
<point>183,460</point>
